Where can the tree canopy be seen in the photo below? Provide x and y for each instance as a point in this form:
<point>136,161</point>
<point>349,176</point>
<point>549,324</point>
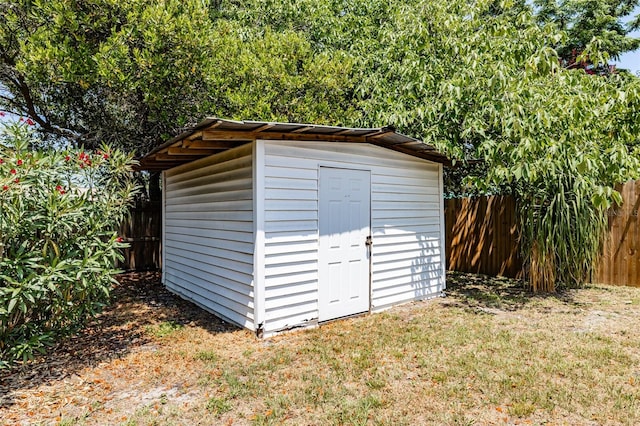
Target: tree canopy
<point>133,73</point>
<point>602,24</point>
<point>483,80</point>
<point>491,87</point>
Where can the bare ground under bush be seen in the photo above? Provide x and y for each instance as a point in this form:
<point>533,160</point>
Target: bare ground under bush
<point>487,353</point>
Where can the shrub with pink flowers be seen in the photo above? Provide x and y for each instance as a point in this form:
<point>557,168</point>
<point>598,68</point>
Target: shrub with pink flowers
<point>58,247</point>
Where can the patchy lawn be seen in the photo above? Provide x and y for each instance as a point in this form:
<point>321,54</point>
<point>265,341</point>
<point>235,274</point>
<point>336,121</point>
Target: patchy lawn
<point>488,353</point>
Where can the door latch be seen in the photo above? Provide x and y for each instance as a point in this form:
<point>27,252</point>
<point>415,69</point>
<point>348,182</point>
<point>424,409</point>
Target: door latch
<point>368,242</point>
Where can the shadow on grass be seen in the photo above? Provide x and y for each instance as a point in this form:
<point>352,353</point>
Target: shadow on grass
<point>493,294</point>
<point>139,302</point>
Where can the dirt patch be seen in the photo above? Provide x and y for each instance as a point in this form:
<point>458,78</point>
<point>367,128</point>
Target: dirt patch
<point>101,367</point>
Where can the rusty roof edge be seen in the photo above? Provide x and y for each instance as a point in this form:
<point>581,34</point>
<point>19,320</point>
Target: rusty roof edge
<point>201,125</point>
<point>319,126</point>
<point>208,121</point>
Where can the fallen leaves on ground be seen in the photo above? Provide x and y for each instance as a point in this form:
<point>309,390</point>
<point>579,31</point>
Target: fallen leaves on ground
<point>488,353</point>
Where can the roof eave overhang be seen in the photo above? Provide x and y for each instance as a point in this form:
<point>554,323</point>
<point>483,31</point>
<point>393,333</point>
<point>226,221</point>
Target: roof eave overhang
<point>213,135</point>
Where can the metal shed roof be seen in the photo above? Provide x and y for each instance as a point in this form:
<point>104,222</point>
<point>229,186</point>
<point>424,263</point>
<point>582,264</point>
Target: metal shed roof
<point>213,135</point>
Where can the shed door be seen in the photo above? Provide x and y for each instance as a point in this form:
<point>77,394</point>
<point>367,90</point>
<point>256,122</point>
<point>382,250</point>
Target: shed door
<point>344,216</point>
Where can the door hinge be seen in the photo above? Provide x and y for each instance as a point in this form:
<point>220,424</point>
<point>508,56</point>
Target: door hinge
<point>368,242</point>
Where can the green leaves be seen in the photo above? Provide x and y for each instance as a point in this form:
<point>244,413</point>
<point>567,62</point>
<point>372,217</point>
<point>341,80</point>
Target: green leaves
<point>593,27</point>
<point>487,84</point>
<point>481,80</point>
<point>134,73</point>
<point>58,210</point>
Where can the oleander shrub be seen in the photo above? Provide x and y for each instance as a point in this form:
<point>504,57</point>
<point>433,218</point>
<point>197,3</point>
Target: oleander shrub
<point>59,209</point>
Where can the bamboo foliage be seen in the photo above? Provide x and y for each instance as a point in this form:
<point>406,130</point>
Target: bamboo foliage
<point>562,232</point>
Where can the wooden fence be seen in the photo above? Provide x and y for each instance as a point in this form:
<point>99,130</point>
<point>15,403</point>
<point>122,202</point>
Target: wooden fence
<point>620,261</point>
<point>481,236</point>
<point>143,231</point>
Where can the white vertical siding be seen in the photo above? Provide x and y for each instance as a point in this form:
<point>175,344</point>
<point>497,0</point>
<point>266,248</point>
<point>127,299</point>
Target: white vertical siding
<point>406,222</point>
<point>164,203</point>
<point>259,245</point>
<point>291,239</point>
<point>209,233</point>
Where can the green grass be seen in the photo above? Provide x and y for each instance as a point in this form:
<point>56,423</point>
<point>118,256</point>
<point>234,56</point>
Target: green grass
<point>206,355</point>
<point>218,406</point>
<point>164,329</point>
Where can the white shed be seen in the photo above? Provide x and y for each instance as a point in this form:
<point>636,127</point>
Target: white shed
<point>274,226</point>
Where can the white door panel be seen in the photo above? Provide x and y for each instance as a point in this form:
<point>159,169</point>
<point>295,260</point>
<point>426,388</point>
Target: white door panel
<point>345,205</point>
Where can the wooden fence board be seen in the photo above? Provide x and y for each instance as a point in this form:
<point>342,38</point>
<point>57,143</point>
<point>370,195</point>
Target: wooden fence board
<point>143,231</point>
<point>481,234</point>
<point>620,260</point>
<point>482,237</point>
